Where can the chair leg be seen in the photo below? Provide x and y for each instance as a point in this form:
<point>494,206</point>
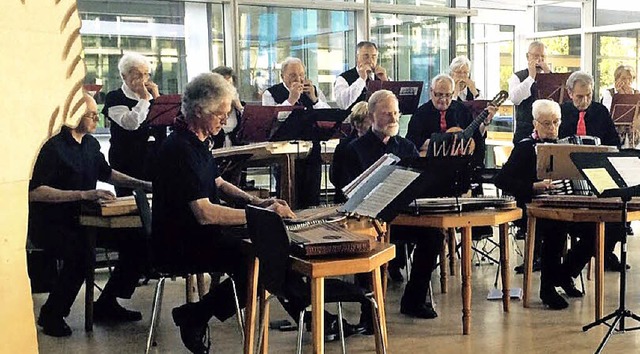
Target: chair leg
<point>263,321</point>
<point>239,316</point>
<point>582,283</point>
<point>407,258</point>
<point>155,314</point>
<point>300,329</point>
<point>377,322</point>
<point>341,328</point>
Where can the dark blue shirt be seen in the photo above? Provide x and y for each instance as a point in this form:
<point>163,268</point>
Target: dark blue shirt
<point>185,172</point>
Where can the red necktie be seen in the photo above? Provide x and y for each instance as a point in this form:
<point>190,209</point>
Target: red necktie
<point>582,128</point>
<point>443,121</point>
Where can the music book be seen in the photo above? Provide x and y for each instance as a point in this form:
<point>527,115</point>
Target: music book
<point>407,92</point>
<point>164,110</point>
<point>257,122</point>
<point>554,160</point>
<point>552,86</point>
<point>385,160</point>
<point>625,109</point>
<point>610,173</point>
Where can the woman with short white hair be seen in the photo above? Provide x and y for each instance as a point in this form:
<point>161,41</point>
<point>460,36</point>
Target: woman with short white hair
<point>465,88</point>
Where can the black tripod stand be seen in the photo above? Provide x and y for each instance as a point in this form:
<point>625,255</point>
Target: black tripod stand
<point>621,313</point>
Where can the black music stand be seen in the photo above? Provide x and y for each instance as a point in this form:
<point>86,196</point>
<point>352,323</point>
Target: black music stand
<point>552,86</point>
<point>407,92</point>
<point>257,122</point>
<point>608,181</point>
<point>164,110</point>
<point>309,124</point>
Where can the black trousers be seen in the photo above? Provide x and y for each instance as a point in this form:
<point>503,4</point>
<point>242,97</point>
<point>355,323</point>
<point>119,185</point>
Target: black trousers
<point>554,237</point>
<point>71,246</point>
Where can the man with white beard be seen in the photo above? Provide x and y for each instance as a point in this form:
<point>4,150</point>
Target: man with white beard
<point>381,139</point>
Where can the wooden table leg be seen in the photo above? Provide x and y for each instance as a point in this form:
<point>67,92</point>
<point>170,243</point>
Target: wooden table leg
<point>264,313</point>
<point>200,281</point>
<point>287,180</point>
<point>250,310</point>
<point>89,278</point>
<point>443,266</point>
<point>385,267</point>
<point>317,308</point>
<point>466,280</point>
<point>504,265</point>
<point>451,239</point>
<point>378,294</point>
<point>599,270</point>
<point>528,260</point>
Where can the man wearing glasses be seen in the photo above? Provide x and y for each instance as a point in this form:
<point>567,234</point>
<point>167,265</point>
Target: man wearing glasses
<point>65,174</point>
<point>441,113</point>
<point>522,89</point>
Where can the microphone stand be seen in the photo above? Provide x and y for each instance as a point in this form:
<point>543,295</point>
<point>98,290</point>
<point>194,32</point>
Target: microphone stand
<point>622,312</point>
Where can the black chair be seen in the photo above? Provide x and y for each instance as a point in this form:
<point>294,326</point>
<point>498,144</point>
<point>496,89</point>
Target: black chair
<point>144,210</point>
<point>272,247</point>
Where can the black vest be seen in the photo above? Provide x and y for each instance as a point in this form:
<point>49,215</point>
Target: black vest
<point>524,117</point>
<point>280,94</point>
<point>350,76</point>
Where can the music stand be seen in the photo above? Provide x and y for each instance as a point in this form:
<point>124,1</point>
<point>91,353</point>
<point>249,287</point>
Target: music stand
<point>309,124</point>
<point>552,86</point>
<point>407,92</point>
<point>625,110</point>
<point>257,122</point>
<point>164,110</point>
<point>613,175</point>
<point>554,161</point>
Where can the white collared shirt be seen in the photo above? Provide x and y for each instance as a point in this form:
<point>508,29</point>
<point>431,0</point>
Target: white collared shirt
<point>347,94</point>
<point>130,119</point>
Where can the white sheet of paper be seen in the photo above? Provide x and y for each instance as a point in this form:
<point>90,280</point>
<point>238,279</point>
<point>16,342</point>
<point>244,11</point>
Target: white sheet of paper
<point>600,178</point>
<point>384,193</point>
<point>628,168</point>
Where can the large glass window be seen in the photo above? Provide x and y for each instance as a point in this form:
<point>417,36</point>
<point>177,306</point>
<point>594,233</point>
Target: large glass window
<point>563,53</point>
<point>558,16</point>
<point>413,2</point>
<point>151,28</point>
<point>613,12</point>
<point>324,40</point>
<point>614,49</point>
<point>217,36</point>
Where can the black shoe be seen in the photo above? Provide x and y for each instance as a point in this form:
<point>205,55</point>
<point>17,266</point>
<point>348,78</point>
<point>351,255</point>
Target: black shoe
<point>612,264</point>
<point>366,323</point>
<point>395,274</point>
<point>331,328</point>
<point>569,288</point>
<point>55,327</point>
<point>113,312</point>
<point>536,266</point>
<point>421,310</point>
<point>551,298</point>
<point>629,229</point>
<point>521,234</point>
<point>194,336</point>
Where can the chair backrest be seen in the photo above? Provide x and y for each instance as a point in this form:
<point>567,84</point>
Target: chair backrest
<point>501,154</point>
<point>271,245</point>
<point>144,210</point>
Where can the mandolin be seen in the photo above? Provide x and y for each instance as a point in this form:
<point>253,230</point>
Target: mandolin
<point>458,141</point>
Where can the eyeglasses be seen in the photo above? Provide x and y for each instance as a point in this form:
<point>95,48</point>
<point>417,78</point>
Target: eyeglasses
<point>94,116</point>
<point>442,95</point>
<point>548,124</point>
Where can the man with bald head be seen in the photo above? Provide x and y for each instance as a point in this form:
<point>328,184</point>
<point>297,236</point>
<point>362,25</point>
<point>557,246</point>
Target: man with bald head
<point>65,174</point>
<point>295,89</point>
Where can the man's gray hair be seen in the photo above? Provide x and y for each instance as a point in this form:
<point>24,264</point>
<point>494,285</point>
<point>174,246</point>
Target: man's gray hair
<point>545,107</point>
<point>378,96</point>
<point>535,44</point>
<point>289,60</point>
<point>458,62</point>
<point>130,60</point>
<point>442,77</point>
<point>203,91</point>
<point>581,77</point>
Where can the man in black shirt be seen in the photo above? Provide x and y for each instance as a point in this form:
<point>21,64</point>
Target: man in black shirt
<point>441,113</point>
<point>582,116</point>
<point>65,173</point>
<point>187,215</point>
<point>363,152</point>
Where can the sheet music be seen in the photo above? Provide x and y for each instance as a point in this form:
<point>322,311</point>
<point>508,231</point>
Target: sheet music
<point>600,178</point>
<point>384,193</point>
<point>628,168</point>
<point>386,160</point>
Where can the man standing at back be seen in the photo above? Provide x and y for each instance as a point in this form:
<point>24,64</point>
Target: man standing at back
<point>351,86</point>
<point>522,89</point>
<point>294,89</point>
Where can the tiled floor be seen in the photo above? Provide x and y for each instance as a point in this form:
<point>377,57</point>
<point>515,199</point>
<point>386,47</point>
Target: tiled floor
<point>533,330</point>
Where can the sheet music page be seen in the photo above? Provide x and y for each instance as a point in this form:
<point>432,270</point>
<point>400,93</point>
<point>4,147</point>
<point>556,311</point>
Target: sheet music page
<point>385,160</point>
<point>628,168</point>
<point>384,193</point>
<point>600,178</point>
